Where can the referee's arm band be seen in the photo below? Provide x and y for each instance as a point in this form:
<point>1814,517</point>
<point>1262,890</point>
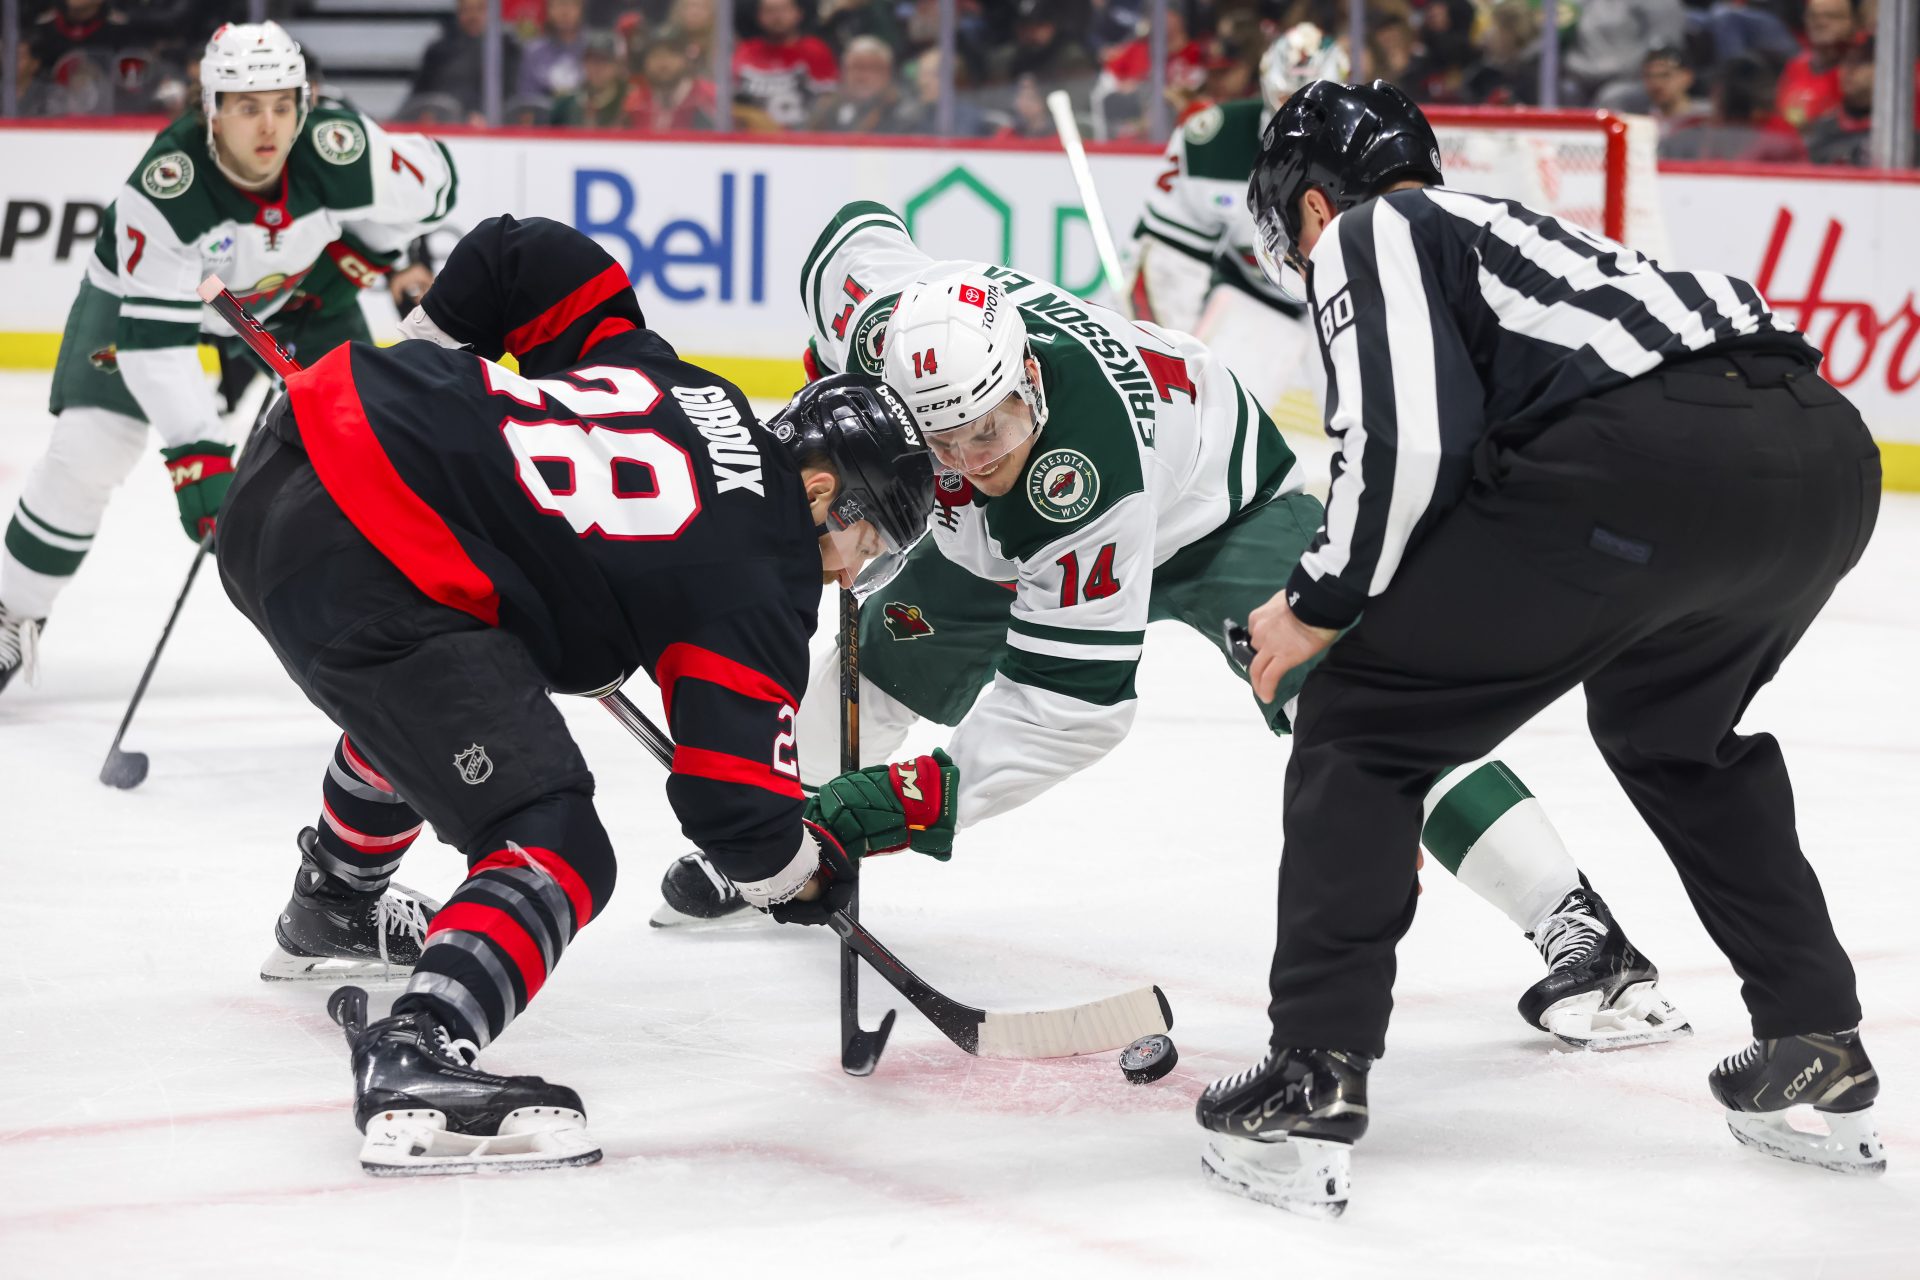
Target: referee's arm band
<point>1322,602</point>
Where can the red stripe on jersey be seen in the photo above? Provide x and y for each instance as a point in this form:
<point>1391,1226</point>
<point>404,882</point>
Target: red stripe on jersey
<point>611,327</point>
<point>689,661</point>
<point>364,843</point>
<point>695,762</point>
<point>367,773</point>
<point>362,480</point>
<point>552,322</point>
<point>501,928</point>
<point>554,865</point>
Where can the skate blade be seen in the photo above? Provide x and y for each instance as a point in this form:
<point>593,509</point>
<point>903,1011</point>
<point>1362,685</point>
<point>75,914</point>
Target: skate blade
<point>1307,1176</point>
<point>284,966</point>
<point>403,1144</point>
<point>1638,1015</point>
<point>1850,1145</point>
<point>665,917</point>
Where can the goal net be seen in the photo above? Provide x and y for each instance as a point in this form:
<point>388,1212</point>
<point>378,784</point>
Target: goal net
<point>1592,168</point>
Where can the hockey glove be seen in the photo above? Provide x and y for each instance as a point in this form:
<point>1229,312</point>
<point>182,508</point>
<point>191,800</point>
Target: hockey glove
<point>839,871</point>
<point>201,473</point>
<point>909,805</point>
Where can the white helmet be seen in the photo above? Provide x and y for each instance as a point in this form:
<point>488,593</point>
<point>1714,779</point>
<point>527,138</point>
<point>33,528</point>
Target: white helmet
<point>955,349</point>
<point>1296,58</point>
<point>251,57</point>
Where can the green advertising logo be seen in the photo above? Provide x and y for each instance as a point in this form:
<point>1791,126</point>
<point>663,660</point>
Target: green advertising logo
<point>961,183</point>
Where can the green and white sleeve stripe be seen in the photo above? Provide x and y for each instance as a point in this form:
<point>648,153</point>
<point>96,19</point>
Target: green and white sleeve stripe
<point>42,547</point>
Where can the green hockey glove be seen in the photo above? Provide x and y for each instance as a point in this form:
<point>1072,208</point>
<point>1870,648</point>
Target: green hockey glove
<point>201,473</point>
<point>909,805</point>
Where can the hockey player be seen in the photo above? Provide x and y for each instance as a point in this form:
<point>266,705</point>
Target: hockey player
<point>1194,265</point>
<point>1102,475</point>
<point>431,542</point>
<point>1561,466</point>
<point>295,208</point>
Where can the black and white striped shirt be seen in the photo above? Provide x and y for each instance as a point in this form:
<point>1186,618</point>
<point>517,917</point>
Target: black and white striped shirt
<point>1443,315</point>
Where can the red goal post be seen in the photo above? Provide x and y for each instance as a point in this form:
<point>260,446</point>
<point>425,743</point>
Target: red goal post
<point>1593,168</point>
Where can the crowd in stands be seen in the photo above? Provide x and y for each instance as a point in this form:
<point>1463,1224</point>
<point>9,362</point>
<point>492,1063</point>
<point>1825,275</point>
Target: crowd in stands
<point>1739,80</point>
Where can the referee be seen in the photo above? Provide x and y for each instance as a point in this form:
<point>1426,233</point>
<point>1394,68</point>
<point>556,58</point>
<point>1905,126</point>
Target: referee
<point>1559,464</point>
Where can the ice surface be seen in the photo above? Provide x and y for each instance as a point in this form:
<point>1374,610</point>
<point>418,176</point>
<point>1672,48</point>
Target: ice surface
<point>165,1113</point>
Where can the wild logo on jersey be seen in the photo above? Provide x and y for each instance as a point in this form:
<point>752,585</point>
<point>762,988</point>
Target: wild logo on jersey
<point>1062,485</point>
<point>905,621</point>
<point>340,141</point>
<point>870,336</point>
<point>167,176</point>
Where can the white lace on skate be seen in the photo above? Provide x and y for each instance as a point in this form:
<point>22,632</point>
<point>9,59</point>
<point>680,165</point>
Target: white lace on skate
<point>403,912</point>
<point>1228,1084</point>
<point>20,646</point>
<point>1735,1063</point>
<point>400,912</point>
<point>461,1051</point>
<point>1569,935</point>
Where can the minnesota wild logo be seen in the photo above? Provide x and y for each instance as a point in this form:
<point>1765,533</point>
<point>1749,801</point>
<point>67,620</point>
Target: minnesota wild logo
<point>167,176</point>
<point>340,141</point>
<point>1062,485</point>
<point>870,336</point>
<point>905,621</point>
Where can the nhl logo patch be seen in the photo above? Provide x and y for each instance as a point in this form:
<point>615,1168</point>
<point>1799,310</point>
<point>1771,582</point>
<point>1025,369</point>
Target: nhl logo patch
<point>870,337</point>
<point>474,765</point>
<point>339,141</point>
<point>167,176</point>
<point>905,621</point>
<point>1062,485</point>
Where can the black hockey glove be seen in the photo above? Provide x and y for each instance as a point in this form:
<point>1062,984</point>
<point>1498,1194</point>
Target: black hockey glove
<point>838,874</point>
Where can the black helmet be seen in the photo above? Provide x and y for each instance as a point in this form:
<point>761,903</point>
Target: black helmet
<point>864,431</point>
<point>1350,141</point>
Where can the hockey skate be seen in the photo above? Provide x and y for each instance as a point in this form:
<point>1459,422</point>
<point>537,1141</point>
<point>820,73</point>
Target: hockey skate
<point>19,646</point>
<point>1283,1131</point>
<point>1599,992</point>
<point>329,931</point>
<point>426,1110</point>
<point>1770,1079</point>
<point>700,900</point>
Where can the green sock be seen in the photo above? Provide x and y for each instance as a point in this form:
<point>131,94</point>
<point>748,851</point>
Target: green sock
<point>1485,827</point>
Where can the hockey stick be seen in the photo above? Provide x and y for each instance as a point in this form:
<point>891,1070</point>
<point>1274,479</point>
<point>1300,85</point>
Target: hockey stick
<point>1095,1027</point>
<point>123,769</point>
<point>859,1048</point>
<point>1069,129</point>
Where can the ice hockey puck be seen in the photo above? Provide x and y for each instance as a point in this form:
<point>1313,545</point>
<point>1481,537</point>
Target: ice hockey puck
<point>1148,1058</point>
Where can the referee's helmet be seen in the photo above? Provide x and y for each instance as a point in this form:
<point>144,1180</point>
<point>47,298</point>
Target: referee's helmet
<point>1348,140</point>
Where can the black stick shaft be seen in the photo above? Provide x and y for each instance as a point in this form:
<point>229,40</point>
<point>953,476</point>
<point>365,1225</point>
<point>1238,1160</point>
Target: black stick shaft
<point>849,761</point>
<point>179,602</point>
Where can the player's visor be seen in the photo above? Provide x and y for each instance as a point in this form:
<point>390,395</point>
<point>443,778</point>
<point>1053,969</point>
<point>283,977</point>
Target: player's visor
<point>1278,255</point>
<point>977,446</point>
<point>853,546</point>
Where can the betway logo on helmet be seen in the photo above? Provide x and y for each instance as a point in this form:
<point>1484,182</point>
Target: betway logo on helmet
<point>900,415</point>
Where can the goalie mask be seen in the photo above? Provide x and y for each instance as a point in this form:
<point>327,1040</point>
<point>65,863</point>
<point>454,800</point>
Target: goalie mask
<point>531,286</point>
<point>862,429</point>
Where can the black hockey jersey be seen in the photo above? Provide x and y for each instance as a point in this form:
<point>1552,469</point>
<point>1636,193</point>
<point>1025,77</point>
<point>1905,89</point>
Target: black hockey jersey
<point>626,513</point>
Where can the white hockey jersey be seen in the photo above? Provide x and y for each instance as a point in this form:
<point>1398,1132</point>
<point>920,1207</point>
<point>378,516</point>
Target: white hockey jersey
<point>1150,445</point>
<point>350,191</point>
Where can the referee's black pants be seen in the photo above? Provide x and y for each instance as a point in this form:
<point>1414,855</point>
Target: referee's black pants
<point>1665,544</point>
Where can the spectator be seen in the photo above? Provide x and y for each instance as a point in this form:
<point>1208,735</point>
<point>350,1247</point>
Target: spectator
<point>600,99</point>
<point>552,66</point>
<point>80,85</point>
<point>867,101</point>
<point>1119,98</point>
<point>1666,91</point>
<point>1446,51</point>
<point>1730,28</point>
<point>919,112</point>
<point>780,72</point>
<point>692,21</point>
<point>454,64</point>
<point>438,108</point>
<point>1508,73</point>
<point>1810,86</point>
<point>521,112</point>
<point>29,88</point>
<point>1844,135</point>
<point>1742,126</point>
<point>1030,118</point>
<point>89,26</point>
<point>1611,39</point>
<point>1043,50</point>
<point>668,97</point>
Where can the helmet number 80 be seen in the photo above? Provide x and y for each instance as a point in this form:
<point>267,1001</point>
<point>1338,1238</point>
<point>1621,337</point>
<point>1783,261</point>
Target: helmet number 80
<point>616,482</point>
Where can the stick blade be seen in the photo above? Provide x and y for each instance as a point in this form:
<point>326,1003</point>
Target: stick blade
<point>861,1053</point>
<point>124,770</point>
<point>1097,1027</point>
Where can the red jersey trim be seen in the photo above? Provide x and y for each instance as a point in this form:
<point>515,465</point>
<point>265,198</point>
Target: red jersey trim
<point>696,762</point>
<point>689,661</point>
<point>362,480</point>
<point>552,322</point>
<point>554,865</point>
<point>500,928</point>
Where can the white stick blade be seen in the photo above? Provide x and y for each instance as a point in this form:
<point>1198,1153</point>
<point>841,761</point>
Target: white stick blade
<point>1104,1025</point>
